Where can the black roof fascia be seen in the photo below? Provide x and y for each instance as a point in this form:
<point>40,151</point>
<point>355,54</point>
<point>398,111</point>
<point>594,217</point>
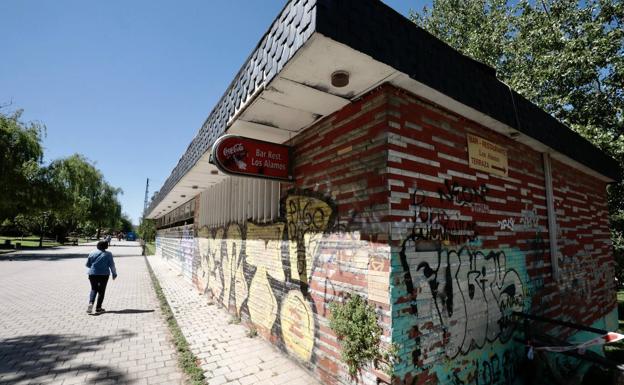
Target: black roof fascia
<point>291,29</point>
<point>377,30</point>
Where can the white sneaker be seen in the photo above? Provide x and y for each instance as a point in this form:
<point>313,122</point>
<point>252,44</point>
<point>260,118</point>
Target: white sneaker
<point>90,308</point>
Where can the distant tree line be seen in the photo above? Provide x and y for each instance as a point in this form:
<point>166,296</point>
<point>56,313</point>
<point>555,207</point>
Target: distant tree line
<point>66,197</point>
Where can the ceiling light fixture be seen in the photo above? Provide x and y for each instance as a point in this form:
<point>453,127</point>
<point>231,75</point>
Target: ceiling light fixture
<point>340,79</point>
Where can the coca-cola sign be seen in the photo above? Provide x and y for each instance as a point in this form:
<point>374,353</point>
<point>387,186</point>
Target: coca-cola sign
<point>237,155</point>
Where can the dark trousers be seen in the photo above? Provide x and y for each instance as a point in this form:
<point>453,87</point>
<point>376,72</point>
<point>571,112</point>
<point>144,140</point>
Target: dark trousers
<point>98,286</point>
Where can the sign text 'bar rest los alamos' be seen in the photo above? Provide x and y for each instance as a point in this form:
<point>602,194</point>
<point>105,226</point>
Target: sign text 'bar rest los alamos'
<point>487,156</point>
<point>237,155</point>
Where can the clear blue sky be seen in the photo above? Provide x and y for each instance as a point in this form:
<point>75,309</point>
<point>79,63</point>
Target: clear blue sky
<point>127,83</point>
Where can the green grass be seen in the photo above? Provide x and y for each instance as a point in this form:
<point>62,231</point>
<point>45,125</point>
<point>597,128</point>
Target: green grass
<point>150,248</point>
<point>33,241</point>
<point>28,242</point>
<point>186,359</point>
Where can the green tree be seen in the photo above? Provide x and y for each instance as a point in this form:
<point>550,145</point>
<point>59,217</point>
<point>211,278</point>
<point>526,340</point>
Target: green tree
<point>147,230</point>
<point>85,197</point>
<point>20,161</point>
<point>125,224</point>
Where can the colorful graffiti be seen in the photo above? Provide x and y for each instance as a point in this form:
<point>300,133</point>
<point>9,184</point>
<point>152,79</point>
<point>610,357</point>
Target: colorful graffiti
<point>264,271</point>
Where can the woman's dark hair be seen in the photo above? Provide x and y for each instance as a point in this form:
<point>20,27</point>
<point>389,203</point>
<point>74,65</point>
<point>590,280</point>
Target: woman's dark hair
<point>102,245</point>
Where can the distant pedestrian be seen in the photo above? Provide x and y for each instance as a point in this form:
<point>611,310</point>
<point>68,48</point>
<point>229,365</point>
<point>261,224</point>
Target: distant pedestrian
<point>101,264</point>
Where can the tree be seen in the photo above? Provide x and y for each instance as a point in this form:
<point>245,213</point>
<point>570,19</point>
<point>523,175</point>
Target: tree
<point>20,160</point>
<point>85,197</point>
<point>125,224</point>
<point>147,230</point>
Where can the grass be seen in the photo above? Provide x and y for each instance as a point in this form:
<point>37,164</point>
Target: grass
<point>186,359</point>
<point>252,332</point>
<point>28,242</point>
<point>150,248</point>
<point>33,241</point>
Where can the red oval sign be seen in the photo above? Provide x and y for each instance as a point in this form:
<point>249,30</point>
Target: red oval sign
<point>237,155</point>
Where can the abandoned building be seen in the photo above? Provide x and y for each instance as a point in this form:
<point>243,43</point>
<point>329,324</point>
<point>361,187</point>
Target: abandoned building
<point>356,154</point>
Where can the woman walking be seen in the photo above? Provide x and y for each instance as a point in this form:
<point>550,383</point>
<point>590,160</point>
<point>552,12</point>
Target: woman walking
<point>101,265</point>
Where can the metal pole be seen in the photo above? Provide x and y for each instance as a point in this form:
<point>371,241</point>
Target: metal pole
<point>552,217</point>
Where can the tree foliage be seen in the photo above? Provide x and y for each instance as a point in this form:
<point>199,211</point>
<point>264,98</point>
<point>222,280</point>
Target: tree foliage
<point>147,230</point>
<point>21,155</point>
<point>70,195</point>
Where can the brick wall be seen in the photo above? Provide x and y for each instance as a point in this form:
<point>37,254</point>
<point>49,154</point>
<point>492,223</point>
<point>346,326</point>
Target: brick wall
<point>384,205</point>
<point>329,241</point>
<point>469,247</point>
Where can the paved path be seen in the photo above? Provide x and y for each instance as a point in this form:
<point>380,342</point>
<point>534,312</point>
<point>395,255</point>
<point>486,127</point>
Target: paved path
<point>228,356</point>
<point>46,336</point>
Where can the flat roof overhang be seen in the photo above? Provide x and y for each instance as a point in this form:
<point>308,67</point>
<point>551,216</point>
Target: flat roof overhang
<point>285,86</point>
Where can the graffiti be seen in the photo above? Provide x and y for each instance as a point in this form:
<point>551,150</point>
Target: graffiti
<point>529,218</point>
<point>480,208</point>
<point>252,268</point>
<point>471,294</point>
<point>462,195</point>
<point>307,219</point>
<point>493,369</point>
<point>263,250</point>
<point>507,223</point>
<point>297,325</point>
<point>582,276</point>
<point>187,251</point>
<point>435,224</point>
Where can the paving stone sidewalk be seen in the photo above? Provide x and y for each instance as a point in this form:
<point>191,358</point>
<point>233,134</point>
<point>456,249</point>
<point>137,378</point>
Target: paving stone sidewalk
<point>46,336</point>
<point>227,355</point>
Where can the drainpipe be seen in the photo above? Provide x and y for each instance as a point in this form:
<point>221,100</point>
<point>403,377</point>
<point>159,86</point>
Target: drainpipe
<point>552,217</point>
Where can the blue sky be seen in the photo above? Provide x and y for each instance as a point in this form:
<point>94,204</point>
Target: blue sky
<point>127,83</point>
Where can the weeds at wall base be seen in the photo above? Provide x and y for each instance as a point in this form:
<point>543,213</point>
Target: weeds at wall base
<point>188,362</point>
<point>252,332</point>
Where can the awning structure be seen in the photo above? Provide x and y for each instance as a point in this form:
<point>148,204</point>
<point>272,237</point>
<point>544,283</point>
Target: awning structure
<point>286,85</point>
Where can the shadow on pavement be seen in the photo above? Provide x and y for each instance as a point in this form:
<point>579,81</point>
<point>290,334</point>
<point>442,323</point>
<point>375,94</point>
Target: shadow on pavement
<point>27,256</point>
<point>27,358</point>
<point>41,257</point>
<point>127,311</point>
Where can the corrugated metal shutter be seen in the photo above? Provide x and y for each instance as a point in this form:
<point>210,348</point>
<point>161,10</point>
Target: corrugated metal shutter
<point>238,199</point>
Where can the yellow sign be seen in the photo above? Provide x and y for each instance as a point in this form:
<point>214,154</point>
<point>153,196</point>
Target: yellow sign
<point>487,156</point>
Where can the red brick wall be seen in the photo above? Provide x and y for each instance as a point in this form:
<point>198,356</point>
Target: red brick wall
<point>332,218</point>
<point>384,205</point>
<point>470,247</point>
